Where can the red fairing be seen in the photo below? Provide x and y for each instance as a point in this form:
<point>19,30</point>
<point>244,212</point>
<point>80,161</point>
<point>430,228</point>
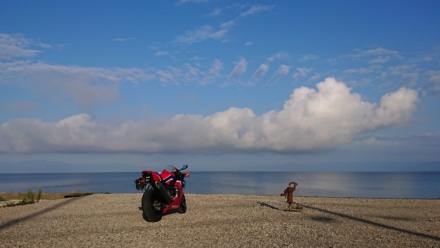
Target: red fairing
<point>154,175</point>
<point>167,176</point>
<point>175,204</point>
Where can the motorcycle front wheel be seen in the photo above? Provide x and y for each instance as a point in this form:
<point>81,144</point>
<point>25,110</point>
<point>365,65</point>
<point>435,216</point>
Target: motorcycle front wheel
<point>182,208</point>
<point>152,206</point>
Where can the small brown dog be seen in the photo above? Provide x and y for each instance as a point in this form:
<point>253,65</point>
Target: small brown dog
<point>288,193</point>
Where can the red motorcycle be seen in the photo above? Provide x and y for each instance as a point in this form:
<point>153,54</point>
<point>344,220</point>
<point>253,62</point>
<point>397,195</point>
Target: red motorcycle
<point>163,192</point>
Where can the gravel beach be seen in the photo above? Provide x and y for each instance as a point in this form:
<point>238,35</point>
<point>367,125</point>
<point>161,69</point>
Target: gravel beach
<point>115,220</point>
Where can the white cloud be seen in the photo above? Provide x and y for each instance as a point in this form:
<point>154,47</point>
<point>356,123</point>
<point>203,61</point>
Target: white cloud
<point>310,120</point>
<point>240,68</point>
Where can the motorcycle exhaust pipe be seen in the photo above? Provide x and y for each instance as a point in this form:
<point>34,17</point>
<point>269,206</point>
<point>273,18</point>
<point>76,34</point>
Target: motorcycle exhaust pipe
<point>162,190</point>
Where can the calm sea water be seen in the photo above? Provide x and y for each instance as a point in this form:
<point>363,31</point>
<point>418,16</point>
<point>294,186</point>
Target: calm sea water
<point>333,184</point>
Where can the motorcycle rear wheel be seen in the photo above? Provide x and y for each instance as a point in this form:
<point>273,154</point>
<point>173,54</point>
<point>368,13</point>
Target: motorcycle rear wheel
<point>152,206</point>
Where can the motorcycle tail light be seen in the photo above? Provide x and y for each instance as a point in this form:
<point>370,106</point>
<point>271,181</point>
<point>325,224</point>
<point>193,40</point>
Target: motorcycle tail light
<point>140,183</point>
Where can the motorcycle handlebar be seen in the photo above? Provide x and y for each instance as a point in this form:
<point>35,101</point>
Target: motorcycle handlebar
<point>180,175</point>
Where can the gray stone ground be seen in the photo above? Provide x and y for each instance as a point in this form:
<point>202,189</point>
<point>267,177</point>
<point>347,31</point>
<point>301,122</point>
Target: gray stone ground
<point>114,220</point>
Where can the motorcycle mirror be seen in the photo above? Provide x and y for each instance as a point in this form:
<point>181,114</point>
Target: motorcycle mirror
<point>184,167</point>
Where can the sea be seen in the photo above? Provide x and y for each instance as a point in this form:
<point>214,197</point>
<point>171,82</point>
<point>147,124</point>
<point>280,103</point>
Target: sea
<point>414,185</point>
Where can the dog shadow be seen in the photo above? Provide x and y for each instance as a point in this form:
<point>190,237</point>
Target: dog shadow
<point>264,204</point>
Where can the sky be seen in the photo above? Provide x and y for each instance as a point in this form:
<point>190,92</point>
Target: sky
<point>96,86</point>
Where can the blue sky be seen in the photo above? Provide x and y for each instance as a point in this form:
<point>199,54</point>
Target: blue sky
<point>220,85</point>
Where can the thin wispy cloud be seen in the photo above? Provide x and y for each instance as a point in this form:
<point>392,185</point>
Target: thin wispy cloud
<point>314,78</point>
<point>157,51</point>
<point>433,86</point>
<point>161,53</point>
<point>282,71</point>
<point>434,76</point>
<point>300,72</point>
<point>192,1</point>
<point>308,57</point>
<point>409,74</point>
<point>239,68</point>
<point>216,12</point>
<point>224,29</point>
<point>196,35</point>
<point>123,39</point>
<point>260,72</point>
<point>377,55</point>
<point>173,75</point>
<point>361,70</point>
<point>19,106</point>
<point>12,46</point>
<point>255,9</point>
<point>212,75</point>
<point>216,67</point>
<point>86,85</point>
<point>276,56</point>
<point>204,33</point>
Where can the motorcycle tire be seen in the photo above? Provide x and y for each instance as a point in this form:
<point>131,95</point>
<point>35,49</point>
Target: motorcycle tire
<point>182,208</point>
<point>152,206</point>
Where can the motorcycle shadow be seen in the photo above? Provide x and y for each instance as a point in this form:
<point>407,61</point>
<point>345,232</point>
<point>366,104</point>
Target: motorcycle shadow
<point>167,213</point>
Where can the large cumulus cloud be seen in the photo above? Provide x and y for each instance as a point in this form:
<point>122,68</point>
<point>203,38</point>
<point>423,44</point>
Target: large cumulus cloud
<point>310,120</point>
